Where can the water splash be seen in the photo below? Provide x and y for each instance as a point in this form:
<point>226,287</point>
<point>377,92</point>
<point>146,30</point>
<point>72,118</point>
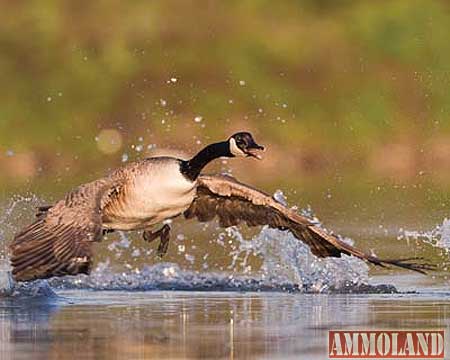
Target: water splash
<point>287,260</point>
<point>32,290</point>
<point>6,280</point>
<point>169,276</point>
<point>287,265</point>
<point>437,237</point>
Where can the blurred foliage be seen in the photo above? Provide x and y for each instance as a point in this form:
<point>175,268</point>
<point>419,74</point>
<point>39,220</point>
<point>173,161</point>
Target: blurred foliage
<point>342,84</point>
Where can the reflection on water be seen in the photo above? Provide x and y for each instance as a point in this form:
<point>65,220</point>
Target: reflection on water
<point>164,324</point>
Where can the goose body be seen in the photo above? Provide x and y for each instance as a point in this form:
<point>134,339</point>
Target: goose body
<point>142,194</point>
<point>157,191</point>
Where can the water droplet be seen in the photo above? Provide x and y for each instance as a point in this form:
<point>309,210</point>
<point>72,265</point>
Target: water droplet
<point>139,148</point>
<point>136,253</point>
<point>180,237</point>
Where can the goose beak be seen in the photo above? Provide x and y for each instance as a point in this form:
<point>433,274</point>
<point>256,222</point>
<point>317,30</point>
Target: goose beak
<point>255,151</point>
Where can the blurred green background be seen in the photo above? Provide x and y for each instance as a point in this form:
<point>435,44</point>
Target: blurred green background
<point>351,97</point>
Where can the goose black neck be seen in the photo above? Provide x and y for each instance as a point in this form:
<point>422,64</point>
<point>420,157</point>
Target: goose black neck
<point>191,168</point>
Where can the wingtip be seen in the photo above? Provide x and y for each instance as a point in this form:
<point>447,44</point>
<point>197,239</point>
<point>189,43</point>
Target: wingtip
<point>416,264</point>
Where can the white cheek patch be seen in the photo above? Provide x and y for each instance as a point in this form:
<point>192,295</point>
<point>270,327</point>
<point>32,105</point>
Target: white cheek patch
<point>235,150</point>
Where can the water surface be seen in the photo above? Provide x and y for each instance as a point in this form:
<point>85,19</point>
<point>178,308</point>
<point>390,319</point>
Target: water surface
<point>182,324</point>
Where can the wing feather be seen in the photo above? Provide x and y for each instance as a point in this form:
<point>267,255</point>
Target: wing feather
<point>233,202</point>
<point>59,242</point>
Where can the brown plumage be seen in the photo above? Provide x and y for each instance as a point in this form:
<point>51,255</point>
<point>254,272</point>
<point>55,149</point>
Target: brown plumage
<point>142,194</point>
<point>59,241</point>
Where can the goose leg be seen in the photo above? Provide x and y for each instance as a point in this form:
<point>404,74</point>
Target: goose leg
<point>164,243</point>
<point>150,236</point>
<point>163,234</point>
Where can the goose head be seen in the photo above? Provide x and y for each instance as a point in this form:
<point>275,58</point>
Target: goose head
<point>242,144</point>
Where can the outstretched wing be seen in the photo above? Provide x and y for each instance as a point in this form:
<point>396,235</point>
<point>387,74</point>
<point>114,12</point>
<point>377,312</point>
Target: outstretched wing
<point>233,202</point>
<point>59,242</point>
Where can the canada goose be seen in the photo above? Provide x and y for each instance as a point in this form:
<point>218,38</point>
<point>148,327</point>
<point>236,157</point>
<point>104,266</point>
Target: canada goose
<point>144,193</point>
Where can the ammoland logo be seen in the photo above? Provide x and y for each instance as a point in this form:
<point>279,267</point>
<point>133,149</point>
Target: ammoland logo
<point>426,344</point>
